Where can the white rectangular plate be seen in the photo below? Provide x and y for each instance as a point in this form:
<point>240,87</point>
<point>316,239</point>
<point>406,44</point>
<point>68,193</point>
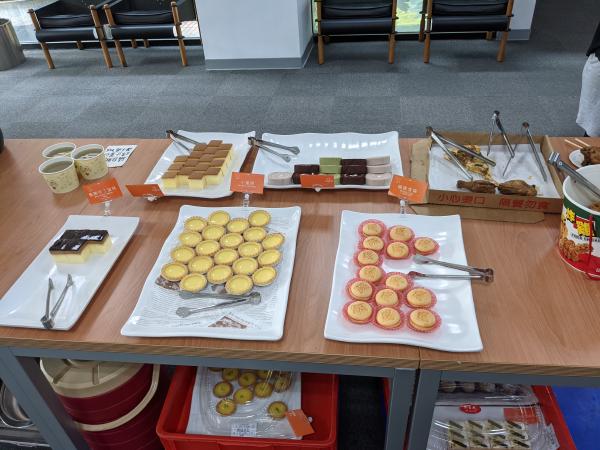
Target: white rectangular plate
<point>458,332</point>
<point>443,174</point>
<point>315,145</point>
<point>240,147</point>
<point>25,302</point>
<point>154,313</point>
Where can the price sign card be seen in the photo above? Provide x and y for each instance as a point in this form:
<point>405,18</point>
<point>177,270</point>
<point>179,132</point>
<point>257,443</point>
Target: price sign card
<point>145,190</point>
<point>247,183</point>
<point>103,191</point>
<point>406,188</point>
<point>299,422</point>
<point>317,181</point>
<point>117,155</point>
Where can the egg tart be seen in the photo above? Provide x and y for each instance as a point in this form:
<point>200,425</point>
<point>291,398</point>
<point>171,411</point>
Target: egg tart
<point>282,383</point>
<point>244,266</point>
<point>264,276</point>
<point>195,223</point>
<point>255,234</point>
<point>213,232</point>
<point>231,240</point>
<point>238,225</point>
<point>387,297</point>
<point>259,218</point>
<point>201,264</point>
<point>247,379</point>
<point>230,374</point>
<point>226,256</point>
<point>388,318</point>
<point>219,218</point>
<point>277,410</point>
<point>239,285</point>
<point>263,389</point>
<point>373,243</point>
<point>243,395</point>
<point>360,290</point>
<point>193,282</point>
<point>371,274</point>
<point>219,274</point>
<point>400,233</point>
<point>174,271</point>
<point>182,254</point>
<point>249,249</point>
<point>222,389</point>
<point>269,258</point>
<point>273,241</point>
<point>359,312</point>
<point>226,407</point>
<point>397,250</point>
<point>208,248</point>
<point>265,374</point>
<point>190,238</point>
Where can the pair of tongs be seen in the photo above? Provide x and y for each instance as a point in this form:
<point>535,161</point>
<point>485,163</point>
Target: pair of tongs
<point>474,273</point>
<point>48,318</point>
<point>179,138</point>
<point>264,145</point>
<point>534,150</point>
<point>555,160</point>
<point>496,123</point>
<point>253,298</point>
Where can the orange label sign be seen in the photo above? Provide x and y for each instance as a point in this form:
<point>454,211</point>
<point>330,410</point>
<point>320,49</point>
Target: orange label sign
<point>522,414</point>
<point>317,181</point>
<point>248,183</point>
<point>103,191</point>
<point>408,189</point>
<point>299,422</point>
<point>144,190</point>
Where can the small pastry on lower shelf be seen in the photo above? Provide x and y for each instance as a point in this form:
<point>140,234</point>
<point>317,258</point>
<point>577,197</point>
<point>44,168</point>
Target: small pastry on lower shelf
<point>239,285</point>
<point>277,410</point>
<point>243,395</point>
<point>371,274</point>
<point>517,187</point>
<point>360,290</point>
<point>282,383</point>
<point>245,266</point>
<point>269,258</point>
<point>208,248</point>
<point>230,374</point>
<point>222,389</point>
<point>247,379</point>
<point>219,218</point>
<point>359,312</point>
<point>263,389</point>
<point>264,276</point>
<point>259,218</point>
<point>397,250</point>
<point>219,274</point>
<point>273,241</point>
<point>250,249</point>
<point>200,264</point>
<point>174,271</point>
<point>226,407</point>
<point>387,297</point>
<point>183,254</point>
<point>388,317</point>
<point>480,186</point>
<point>425,245</point>
<point>422,320</point>
<point>193,282</point>
<point>265,374</point>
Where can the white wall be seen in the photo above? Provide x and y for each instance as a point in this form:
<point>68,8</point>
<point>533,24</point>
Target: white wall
<point>523,14</point>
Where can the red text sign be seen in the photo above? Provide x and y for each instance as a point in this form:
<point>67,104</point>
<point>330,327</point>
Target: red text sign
<point>407,188</point>
<point>144,190</point>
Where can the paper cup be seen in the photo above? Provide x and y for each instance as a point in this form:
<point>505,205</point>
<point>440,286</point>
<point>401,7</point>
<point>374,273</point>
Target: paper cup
<point>90,161</point>
<point>60,149</point>
<point>60,174</point>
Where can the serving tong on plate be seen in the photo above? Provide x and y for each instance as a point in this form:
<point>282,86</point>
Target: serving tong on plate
<point>178,138</point>
<point>496,123</point>
<point>265,145</point>
<point>555,160</point>
<point>253,298</point>
<point>474,273</point>
<point>48,318</point>
<point>536,153</point>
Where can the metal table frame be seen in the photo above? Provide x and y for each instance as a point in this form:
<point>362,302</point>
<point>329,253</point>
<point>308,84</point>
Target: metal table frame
<point>22,375</point>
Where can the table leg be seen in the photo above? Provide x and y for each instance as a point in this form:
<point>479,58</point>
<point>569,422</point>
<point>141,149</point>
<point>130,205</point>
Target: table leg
<point>424,404</point>
<point>22,375</point>
<point>402,385</point>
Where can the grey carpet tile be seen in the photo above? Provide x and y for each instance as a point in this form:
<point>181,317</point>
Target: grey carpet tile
<point>254,83</point>
<point>439,112</point>
<point>304,83</point>
<point>355,113</point>
<point>300,110</point>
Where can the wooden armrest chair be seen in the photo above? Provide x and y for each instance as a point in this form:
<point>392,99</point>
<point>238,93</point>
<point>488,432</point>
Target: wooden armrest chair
<point>466,16</point>
<point>69,21</point>
<point>356,17</point>
<point>145,19</point>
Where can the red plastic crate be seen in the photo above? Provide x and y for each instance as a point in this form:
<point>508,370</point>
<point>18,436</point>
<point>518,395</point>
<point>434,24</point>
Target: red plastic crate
<point>319,401</point>
<point>548,404</point>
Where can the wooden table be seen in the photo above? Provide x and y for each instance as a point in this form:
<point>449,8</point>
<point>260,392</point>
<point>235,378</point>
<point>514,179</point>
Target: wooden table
<point>536,320</point>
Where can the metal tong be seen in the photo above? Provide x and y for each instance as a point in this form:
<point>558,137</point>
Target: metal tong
<point>48,319</point>
<point>252,298</point>
<point>474,273</point>
<point>177,138</point>
<point>498,124</point>
<point>555,160</point>
<point>264,145</point>
<point>450,155</point>
<point>534,150</point>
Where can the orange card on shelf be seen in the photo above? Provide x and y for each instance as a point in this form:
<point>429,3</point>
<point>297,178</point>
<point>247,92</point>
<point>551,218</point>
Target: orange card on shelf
<point>317,181</point>
<point>247,183</point>
<point>407,188</point>
<point>299,422</point>
<point>144,190</point>
<point>103,191</point>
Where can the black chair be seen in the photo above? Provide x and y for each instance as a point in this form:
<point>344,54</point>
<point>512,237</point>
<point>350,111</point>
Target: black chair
<point>145,19</point>
<point>466,16</point>
<point>356,17</point>
<point>64,20</point>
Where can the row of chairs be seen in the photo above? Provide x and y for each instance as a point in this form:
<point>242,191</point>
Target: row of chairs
<point>116,20</point>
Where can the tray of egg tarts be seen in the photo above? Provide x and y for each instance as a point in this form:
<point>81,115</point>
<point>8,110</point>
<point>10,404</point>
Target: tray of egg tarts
<point>218,254</point>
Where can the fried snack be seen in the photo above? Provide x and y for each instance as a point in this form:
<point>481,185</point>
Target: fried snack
<point>591,155</point>
<point>470,163</point>
<point>595,206</point>
<point>517,187</point>
<point>480,186</point>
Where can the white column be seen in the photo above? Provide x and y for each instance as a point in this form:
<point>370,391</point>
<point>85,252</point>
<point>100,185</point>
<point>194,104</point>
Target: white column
<point>521,22</point>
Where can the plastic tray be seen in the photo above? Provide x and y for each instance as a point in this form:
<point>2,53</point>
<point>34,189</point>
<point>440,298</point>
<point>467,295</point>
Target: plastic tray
<point>319,401</point>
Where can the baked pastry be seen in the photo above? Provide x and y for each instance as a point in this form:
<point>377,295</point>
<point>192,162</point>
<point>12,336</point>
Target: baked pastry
<point>255,234</point>
<point>471,163</point>
<point>219,218</point>
<point>269,258</point>
<point>397,250</point>
<point>249,249</point>
<point>183,254</point>
<point>263,389</point>
<point>388,317</point>
<point>244,266</point>
<point>195,223</point>
<point>359,312</point>
<point>367,257</point>
<point>226,407</point>
<point>350,169</point>
<point>264,276</point>
<point>397,281</point>
<point>387,297</point>
<point>208,248</point>
<point>225,256</point>
<point>190,238</point>
<point>238,225</point>
<point>222,389</point>
<point>200,264</point>
<point>372,274</point>
<point>174,271</point>
<point>373,243</point>
<point>169,179</point>
<point>277,410</point>
<point>259,218</point>
<point>247,379</point>
<point>400,233</point>
<point>273,241</point>
<point>239,285</point>
<point>353,162</point>
<point>425,245</point>
<point>378,179</point>
<point>422,320</point>
<point>231,240</point>
<point>193,282</point>
<point>219,274</point>
<point>356,179</point>
<point>282,383</point>
<point>243,395</point>
<point>360,290</point>
<point>213,232</point>
<point>371,228</point>
<point>265,374</point>
<point>591,155</point>
<point>230,374</point>
<point>279,178</point>
<point>75,246</point>
<point>419,298</point>
<point>306,168</point>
